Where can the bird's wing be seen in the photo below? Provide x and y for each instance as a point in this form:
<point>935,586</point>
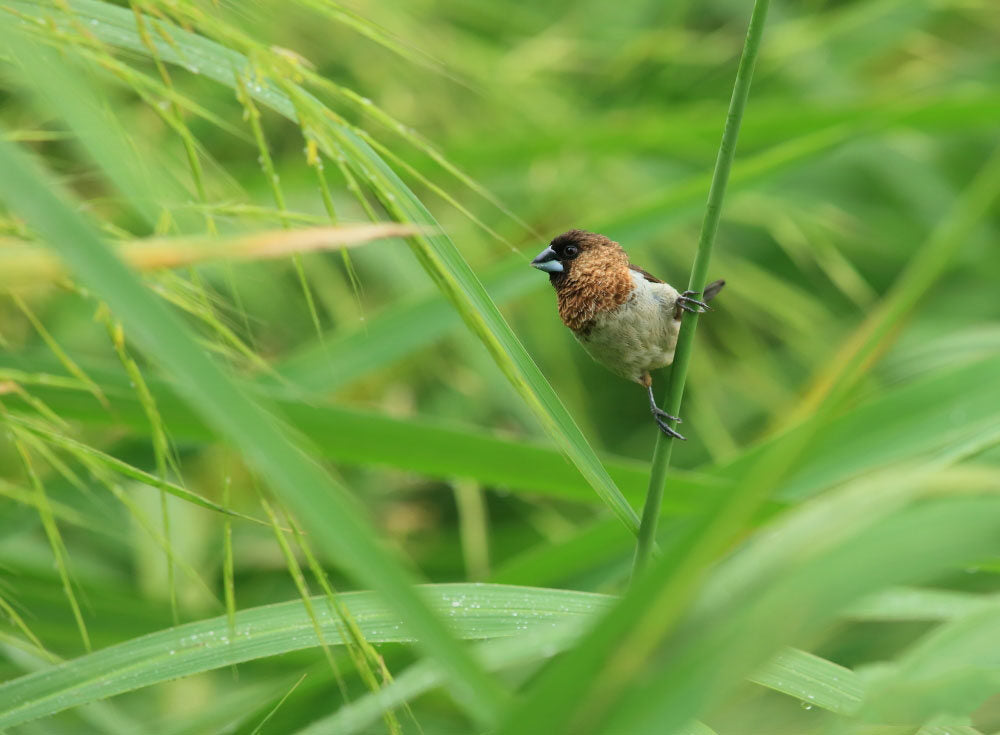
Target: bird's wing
<point>645,274</point>
<point>711,290</point>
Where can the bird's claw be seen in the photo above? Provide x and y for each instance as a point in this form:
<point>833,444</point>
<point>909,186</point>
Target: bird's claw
<point>660,413</point>
<point>667,429</point>
<point>693,305</point>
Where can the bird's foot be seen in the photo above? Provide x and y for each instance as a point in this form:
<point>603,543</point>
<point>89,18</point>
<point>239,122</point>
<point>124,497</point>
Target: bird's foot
<point>660,416</point>
<point>687,302</point>
<point>667,428</point>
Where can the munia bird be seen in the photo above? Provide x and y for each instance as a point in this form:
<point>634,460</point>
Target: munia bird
<point>626,318</point>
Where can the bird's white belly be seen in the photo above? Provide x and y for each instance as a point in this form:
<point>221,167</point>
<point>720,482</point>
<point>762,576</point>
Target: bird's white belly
<point>638,336</point>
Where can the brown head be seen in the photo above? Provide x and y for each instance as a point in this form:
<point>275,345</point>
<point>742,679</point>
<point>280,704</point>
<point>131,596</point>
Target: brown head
<point>590,274</point>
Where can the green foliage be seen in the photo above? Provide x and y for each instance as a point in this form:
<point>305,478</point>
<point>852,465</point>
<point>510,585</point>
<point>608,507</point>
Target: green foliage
<point>190,454</point>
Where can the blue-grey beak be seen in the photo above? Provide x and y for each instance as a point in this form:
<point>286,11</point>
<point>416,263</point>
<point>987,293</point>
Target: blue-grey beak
<point>548,261</point>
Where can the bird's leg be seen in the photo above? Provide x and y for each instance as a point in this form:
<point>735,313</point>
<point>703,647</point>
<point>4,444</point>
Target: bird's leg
<point>687,302</point>
<point>659,415</point>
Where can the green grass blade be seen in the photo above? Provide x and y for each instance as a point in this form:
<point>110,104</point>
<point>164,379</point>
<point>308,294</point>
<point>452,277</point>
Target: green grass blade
<point>432,447</point>
<point>54,537</point>
<point>267,718</point>
<point>103,716</point>
<point>815,681</point>
<point>916,603</point>
<point>527,648</point>
<point>547,622</point>
<point>65,360</point>
<point>906,423</point>
<point>341,530</point>
<point>295,572</point>
<point>947,674</point>
<point>472,611</point>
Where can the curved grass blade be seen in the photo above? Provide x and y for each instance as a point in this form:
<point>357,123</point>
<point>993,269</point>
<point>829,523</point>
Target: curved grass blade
<point>103,716</point>
<point>472,611</point>
<point>546,622</point>
<point>815,681</point>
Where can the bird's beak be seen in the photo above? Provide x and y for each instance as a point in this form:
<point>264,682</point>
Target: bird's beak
<point>547,261</point>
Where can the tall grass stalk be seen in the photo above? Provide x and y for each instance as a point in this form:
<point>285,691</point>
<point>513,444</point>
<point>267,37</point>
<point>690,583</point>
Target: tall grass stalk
<point>699,275</point>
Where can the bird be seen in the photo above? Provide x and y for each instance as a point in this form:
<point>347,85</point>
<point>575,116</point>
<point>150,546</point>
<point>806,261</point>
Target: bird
<point>623,316</point>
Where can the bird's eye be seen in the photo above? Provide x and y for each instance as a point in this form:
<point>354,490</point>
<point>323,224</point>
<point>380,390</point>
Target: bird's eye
<point>571,251</point>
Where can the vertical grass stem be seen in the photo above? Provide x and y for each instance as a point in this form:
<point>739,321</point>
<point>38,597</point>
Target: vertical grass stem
<point>699,274</point>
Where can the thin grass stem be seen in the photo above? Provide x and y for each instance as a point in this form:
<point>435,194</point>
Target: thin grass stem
<point>699,274</point>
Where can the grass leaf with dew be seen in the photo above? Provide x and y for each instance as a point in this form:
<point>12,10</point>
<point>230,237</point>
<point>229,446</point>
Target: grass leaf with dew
<point>548,621</point>
<point>472,611</point>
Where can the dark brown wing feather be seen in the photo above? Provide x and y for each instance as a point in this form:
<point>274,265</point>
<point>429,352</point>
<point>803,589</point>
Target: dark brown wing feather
<point>712,289</point>
<point>645,274</point>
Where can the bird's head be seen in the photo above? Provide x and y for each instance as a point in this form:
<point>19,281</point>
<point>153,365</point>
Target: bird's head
<point>576,251</point>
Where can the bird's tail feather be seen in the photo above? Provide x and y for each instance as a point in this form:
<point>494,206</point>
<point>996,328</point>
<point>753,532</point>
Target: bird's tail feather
<point>712,289</point>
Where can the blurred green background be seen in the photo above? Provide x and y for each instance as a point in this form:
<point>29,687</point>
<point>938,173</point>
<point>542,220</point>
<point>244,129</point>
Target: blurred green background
<point>866,164</point>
